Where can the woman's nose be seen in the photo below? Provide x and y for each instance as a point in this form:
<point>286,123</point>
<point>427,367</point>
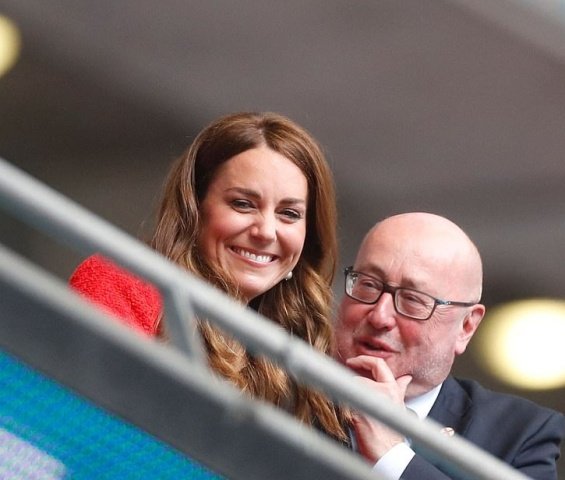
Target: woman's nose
<point>265,228</point>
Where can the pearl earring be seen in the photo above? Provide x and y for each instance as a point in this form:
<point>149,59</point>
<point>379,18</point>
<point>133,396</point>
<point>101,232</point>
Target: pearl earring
<point>288,276</point>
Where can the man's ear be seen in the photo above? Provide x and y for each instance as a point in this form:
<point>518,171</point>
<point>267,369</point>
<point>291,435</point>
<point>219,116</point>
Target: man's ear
<point>469,327</point>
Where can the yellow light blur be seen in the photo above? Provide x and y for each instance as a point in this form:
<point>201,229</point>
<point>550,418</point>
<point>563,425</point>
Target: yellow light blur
<point>523,343</point>
<point>10,43</point>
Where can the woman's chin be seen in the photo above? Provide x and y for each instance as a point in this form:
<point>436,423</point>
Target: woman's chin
<point>253,286</point>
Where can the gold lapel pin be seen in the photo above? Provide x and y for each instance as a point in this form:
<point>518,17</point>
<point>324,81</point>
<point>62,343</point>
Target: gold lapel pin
<point>448,431</point>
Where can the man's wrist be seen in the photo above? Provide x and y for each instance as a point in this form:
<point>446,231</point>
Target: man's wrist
<point>392,464</point>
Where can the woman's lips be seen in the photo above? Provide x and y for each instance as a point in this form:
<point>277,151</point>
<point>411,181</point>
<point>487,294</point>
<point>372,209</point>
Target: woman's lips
<point>262,258</point>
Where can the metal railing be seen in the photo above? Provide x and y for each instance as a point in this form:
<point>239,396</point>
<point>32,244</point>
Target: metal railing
<point>45,209</point>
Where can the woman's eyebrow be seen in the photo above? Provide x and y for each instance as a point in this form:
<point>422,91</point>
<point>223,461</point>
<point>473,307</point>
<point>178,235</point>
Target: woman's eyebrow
<point>293,201</point>
<point>244,191</point>
<point>255,194</point>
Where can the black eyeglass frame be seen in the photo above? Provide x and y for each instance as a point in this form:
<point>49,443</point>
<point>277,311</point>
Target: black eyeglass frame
<point>386,288</point>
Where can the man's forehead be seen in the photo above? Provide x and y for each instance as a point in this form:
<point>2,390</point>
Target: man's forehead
<point>432,241</point>
<point>411,263</point>
<point>409,275</point>
<point>422,251</point>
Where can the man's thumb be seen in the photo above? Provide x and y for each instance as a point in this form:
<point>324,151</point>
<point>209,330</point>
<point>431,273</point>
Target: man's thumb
<point>404,381</point>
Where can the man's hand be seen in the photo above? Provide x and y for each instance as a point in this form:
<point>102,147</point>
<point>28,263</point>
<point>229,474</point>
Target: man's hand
<point>374,439</point>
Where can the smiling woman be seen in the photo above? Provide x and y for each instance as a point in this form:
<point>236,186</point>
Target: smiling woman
<point>247,207</point>
<point>254,225</point>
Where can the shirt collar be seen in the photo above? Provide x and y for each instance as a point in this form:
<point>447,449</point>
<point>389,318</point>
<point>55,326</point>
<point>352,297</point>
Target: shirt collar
<point>422,404</point>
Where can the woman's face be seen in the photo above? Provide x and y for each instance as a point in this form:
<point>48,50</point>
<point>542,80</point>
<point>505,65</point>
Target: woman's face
<point>254,219</point>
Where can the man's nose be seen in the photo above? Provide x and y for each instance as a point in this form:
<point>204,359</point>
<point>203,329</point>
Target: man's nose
<point>382,314</point>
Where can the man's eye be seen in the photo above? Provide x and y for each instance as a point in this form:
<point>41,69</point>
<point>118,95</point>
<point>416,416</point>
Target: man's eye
<point>413,298</point>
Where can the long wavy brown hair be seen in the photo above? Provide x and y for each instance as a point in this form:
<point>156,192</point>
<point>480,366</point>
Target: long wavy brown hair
<point>302,305</point>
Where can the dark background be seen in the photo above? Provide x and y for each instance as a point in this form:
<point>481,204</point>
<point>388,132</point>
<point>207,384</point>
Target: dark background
<point>446,106</point>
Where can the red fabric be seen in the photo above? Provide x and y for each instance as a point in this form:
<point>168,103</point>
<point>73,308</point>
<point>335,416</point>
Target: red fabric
<point>119,292</point>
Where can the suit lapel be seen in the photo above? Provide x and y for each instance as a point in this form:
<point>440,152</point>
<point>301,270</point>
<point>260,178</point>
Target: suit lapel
<point>452,410</point>
<point>452,407</point>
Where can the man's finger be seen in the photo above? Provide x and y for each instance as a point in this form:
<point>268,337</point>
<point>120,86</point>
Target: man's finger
<point>403,382</point>
<point>377,366</point>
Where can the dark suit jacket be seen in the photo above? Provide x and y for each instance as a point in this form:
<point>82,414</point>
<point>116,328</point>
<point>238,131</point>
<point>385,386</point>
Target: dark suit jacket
<point>519,432</point>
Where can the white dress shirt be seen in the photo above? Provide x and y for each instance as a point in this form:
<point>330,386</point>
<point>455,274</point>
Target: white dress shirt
<point>394,462</point>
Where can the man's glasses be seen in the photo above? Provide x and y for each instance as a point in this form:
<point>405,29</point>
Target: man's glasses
<point>407,301</point>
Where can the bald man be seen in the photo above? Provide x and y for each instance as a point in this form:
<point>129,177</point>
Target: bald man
<point>411,305</point>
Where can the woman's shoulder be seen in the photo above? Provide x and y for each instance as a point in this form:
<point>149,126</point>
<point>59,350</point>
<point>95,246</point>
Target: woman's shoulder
<point>119,292</point>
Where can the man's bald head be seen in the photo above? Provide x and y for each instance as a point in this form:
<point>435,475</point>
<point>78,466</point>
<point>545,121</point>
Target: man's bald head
<point>439,269</point>
<point>437,239</point>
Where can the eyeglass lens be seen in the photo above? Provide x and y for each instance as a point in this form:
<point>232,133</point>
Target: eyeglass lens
<point>410,303</point>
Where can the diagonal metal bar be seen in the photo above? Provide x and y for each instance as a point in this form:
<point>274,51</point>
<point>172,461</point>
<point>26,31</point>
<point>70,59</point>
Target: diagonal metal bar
<point>66,221</point>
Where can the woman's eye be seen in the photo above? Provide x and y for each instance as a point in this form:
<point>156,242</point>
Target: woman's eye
<point>291,214</point>
<point>241,204</point>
